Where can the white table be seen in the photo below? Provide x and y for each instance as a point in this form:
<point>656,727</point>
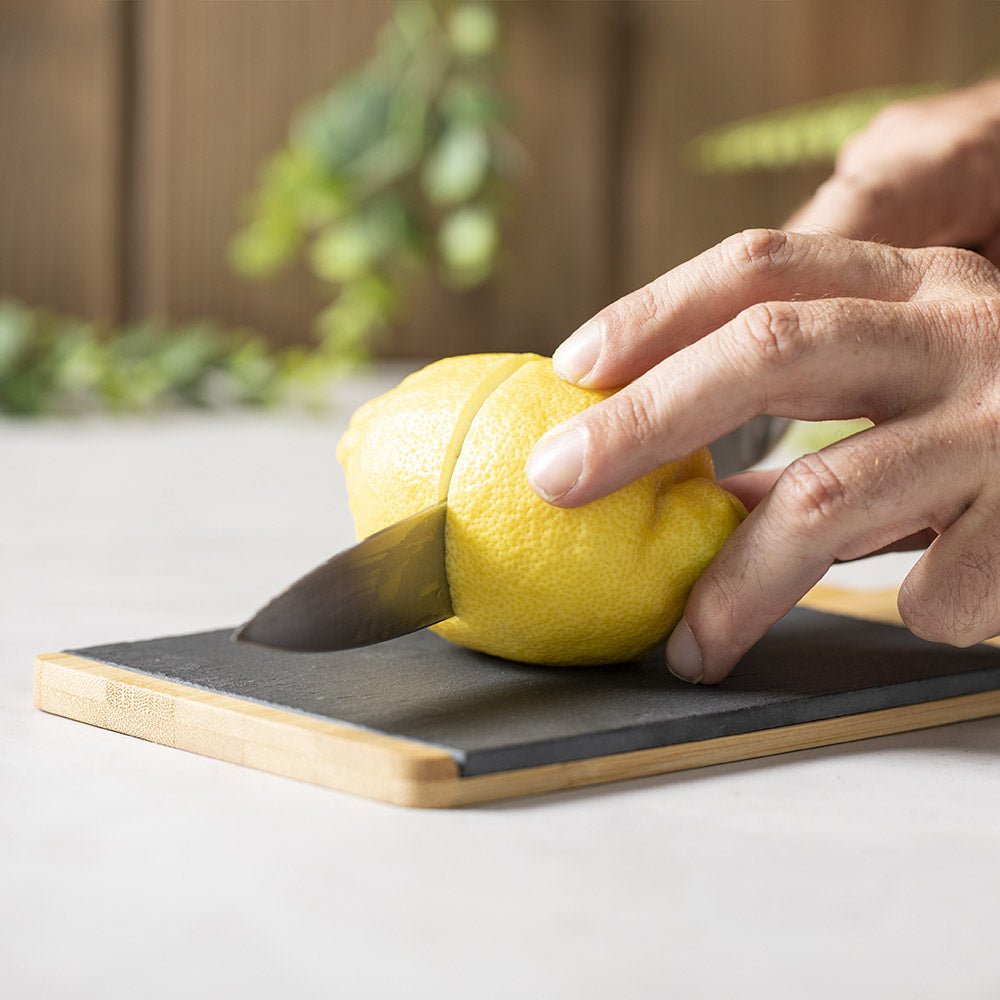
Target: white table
<point>131,870</point>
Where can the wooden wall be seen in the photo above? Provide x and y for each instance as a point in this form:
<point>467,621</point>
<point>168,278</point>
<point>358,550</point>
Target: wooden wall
<point>130,133</point>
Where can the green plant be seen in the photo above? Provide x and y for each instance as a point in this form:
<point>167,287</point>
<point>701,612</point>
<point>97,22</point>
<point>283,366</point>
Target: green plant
<point>397,165</point>
<point>57,364</point>
<point>794,136</point>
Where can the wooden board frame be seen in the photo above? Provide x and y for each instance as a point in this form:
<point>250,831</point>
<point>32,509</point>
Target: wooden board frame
<point>408,773</point>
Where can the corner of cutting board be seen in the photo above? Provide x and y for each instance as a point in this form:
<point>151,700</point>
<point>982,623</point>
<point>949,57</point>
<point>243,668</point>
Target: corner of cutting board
<point>386,768</point>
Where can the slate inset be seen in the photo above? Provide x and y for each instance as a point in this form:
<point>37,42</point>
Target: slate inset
<point>492,715</point>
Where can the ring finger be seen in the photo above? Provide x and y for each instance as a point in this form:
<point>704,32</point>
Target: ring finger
<point>847,500</point>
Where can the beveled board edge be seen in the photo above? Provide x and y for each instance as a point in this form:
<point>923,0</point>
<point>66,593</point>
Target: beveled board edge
<point>404,772</point>
<point>242,732</point>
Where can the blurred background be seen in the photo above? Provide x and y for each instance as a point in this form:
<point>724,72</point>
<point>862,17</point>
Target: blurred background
<point>405,178</point>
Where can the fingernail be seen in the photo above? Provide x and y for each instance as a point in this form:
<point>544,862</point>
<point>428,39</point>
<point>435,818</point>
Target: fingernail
<point>683,655</point>
<point>577,355</point>
<point>556,463</point>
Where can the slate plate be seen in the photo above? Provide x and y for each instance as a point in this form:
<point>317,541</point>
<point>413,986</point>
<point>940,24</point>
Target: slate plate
<point>492,715</point>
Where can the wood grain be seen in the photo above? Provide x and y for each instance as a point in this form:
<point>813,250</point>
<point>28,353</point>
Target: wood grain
<point>134,131</point>
<point>559,243</point>
<point>61,161</point>
<point>404,772</point>
<point>351,760</point>
<point>697,66</point>
<point>219,77</point>
<point>216,86</point>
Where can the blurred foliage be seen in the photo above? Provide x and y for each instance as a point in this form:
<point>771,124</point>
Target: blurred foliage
<point>57,364</point>
<point>795,136</point>
<point>398,165</point>
<point>800,135</point>
<point>804,436</point>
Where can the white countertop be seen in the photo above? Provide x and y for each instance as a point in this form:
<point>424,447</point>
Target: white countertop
<point>133,870</point>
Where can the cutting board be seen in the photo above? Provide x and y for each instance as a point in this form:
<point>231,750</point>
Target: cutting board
<point>419,722</point>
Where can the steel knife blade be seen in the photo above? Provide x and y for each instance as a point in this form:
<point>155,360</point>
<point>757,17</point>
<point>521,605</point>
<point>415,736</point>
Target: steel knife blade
<point>392,583</point>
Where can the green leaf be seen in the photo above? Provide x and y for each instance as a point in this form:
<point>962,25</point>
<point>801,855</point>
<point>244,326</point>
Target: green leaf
<point>64,365</point>
<point>263,247</point>
<point>15,334</point>
<point>473,30</point>
<point>344,123</point>
<point>369,165</point>
<point>470,102</point>
<point>802,134</point>
<point>458,166</point>
<point>344,252</point>
<point>468,241</point>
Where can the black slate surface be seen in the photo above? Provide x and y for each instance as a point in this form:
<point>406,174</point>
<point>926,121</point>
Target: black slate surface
<point>493,715</point>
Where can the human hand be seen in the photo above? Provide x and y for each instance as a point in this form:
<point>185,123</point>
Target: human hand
<point>814,327</point>
<point>922,173</point>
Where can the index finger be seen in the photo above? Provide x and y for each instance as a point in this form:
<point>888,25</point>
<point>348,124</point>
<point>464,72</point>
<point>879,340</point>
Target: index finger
<point>813,360</point>
<point>638,331</point>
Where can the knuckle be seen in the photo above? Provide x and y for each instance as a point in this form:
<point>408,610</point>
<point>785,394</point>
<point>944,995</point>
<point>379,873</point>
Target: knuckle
<point>647,304</point>
<point>635,414</point>
<point>958,264</point>
<point>774,331</point>
<point>897,115</point>
<point>981,314</point>
<point>812,490</point>
<point>969,148</point>
<point>759,251</point>
<point>868,192</point>
<point>642,309</point>
<point>852,155</point>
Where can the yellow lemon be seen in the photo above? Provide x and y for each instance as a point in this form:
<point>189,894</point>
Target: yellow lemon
<point>597,584</point>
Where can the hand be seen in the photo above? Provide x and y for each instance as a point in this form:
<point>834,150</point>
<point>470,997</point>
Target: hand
<point>923,173</point>
<point>815,327</point>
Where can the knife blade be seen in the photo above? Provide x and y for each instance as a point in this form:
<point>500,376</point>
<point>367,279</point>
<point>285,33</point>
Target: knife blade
<point>392,583</point>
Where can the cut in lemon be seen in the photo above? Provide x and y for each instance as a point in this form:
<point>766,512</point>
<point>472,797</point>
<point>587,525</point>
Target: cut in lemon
<point>597,584</point>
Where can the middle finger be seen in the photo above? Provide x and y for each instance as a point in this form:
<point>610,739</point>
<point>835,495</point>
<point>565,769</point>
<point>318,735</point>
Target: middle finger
<point>813,360</point>
<point>641,329</point>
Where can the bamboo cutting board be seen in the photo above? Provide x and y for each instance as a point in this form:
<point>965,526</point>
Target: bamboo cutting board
<point>419,722</point>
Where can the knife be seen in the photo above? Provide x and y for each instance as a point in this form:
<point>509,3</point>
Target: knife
<point>392,583</point>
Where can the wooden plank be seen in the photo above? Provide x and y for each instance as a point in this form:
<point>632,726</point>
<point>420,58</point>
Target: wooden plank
<point>61,75</point>
<point>693,66</point>
<point>605,97</point>
<point>216,88</point>
<point>558,258</point>
<point>697,66</point>
<point>217,84</point>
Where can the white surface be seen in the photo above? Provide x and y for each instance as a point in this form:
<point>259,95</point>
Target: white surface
<point>131,870</point>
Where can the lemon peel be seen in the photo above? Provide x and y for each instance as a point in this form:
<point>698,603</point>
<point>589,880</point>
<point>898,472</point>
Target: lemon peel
<point>532,582</point>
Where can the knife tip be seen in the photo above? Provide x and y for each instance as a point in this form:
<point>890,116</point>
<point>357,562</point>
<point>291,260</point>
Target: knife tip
<point>239,634</point>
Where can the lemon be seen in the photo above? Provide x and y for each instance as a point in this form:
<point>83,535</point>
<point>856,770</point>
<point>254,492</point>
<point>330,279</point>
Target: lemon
<point>532,582</point>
